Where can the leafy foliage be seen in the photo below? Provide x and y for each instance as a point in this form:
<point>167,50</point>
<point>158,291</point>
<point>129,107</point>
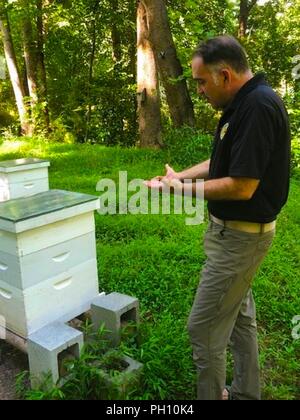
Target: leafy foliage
<point>91,92</point>
<point>186,146</point>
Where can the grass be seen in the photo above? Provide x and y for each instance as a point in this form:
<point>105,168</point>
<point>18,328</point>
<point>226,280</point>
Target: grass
<point>158,259</point>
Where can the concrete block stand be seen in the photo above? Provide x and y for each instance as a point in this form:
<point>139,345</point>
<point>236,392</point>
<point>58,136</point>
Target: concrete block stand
<point>113,310</point>
<point>127,381</point>
<point>49,347</point>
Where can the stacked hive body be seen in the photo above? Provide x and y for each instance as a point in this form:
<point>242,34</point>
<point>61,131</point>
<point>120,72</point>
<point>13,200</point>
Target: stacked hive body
<point>48,266</point>
<point>23,178</point>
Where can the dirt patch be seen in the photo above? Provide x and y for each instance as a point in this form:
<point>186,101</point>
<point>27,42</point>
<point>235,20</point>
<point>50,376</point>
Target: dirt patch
<point>12,362</point>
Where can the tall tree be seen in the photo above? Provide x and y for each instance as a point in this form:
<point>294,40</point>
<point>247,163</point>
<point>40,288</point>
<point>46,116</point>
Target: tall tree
<point>170,69</point>
<point>93,35</point>
<point>12,65</point>
<point>147,85</point>
<point>41,67</point>
<point>132,63</point>
<point>117,55</point>
<point>115,34</point>
<point>29,53</point>
<point>245,8</point>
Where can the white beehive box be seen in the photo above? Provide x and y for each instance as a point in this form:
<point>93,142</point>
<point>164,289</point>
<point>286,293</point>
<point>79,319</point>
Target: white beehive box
<point>23,178</point>
<point>48,265</point>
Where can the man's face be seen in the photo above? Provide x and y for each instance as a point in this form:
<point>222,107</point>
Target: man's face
<point>211,84</point>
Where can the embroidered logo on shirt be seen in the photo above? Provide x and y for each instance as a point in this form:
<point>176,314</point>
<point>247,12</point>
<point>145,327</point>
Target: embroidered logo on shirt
<point>224,131</point>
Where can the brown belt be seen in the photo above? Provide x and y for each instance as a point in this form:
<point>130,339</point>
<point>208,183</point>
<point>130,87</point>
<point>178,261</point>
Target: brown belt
<point>249,227</point>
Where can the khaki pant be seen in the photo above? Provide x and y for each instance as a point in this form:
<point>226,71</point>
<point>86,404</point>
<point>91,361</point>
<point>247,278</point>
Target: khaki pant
<point>224,313</point>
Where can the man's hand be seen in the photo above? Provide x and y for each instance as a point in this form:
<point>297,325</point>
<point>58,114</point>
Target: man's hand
<point>165,184</point>
<point>170,174</point>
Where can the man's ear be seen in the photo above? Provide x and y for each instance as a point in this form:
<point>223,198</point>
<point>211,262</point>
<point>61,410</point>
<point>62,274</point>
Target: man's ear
<point>226,76</point>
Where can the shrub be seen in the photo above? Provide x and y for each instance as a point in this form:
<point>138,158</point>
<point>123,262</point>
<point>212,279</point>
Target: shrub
<point>292,102</point>
<point>61,133</point>
<point>295,162</point>
<point>186,146</point>
<point>6,119</point>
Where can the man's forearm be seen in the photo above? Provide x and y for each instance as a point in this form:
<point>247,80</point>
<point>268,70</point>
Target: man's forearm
<point>223,189</point>
<point>199,171</point>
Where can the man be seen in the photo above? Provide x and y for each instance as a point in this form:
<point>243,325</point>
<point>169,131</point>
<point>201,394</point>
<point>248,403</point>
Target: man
<point>246,185</point>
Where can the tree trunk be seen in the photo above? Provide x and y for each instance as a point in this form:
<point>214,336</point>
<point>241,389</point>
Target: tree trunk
<point>117,57</point>
<point>171,73</point>
<point>13,68</point>
<point>29,54</point>
<point>41,68</point>
<point>243,18</point>
<point>132,64</point>
<point>131,36</point>
<point>147,85</point>
<point>245,9</point>
<point>91,67</point>
<point>115,34</point>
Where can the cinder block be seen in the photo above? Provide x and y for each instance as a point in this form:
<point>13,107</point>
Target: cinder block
<point>120,386</point>
<point>48,348</point>
<point>133,365</point>
<point>113,311</point>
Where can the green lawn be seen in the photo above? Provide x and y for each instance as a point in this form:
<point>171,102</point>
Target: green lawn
<point>158,259</point>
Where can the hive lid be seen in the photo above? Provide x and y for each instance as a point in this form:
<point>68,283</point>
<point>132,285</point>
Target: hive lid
<point>18,165</point>
<point>44,208</point>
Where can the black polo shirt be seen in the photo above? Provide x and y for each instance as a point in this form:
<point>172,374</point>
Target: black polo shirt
<point>253,141</point>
